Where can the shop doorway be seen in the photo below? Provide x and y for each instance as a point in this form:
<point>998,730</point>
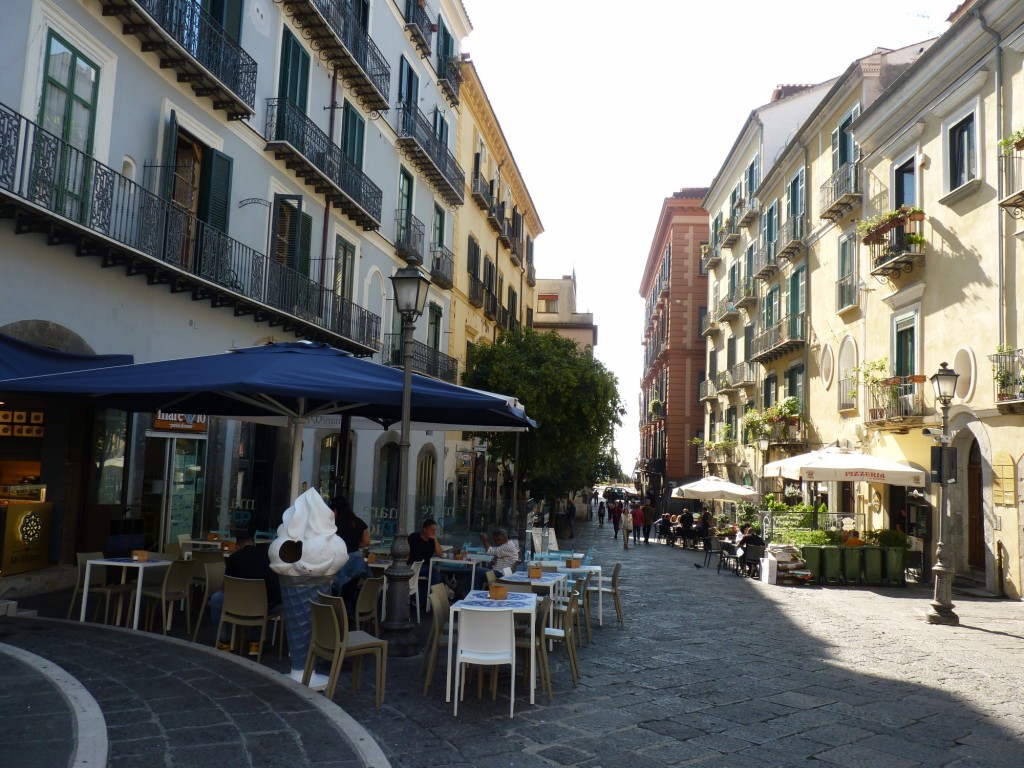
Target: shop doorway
<point>173,486</point>
<point>975,510</point>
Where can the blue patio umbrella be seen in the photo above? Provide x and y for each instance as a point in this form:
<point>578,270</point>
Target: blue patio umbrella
<point>294,380</point>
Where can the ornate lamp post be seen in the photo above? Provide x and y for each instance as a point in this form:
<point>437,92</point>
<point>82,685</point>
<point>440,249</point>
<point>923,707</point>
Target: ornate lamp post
<point>941,610</point>
<point>410,287</point>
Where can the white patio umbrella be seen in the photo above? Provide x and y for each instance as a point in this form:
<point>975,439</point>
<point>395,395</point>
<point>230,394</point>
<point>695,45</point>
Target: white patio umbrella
<point>710,488</point>
<point>836,465</point>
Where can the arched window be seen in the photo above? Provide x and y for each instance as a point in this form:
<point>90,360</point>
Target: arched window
<point>846,371</point>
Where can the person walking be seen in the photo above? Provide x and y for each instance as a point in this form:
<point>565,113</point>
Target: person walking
<point>638,521</point>
<point>627,526</point>
<point>648,511</point>
<point>570,517</point>
<point>595,502</point>
<point>600,514</point>
<point>616,515</point>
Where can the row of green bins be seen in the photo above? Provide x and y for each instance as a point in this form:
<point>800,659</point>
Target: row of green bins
<point>811,554</point>
<point>831,566</point>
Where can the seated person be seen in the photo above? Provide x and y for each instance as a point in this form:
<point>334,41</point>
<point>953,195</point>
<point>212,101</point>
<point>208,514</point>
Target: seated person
<point>248,561</point>
<point>356,535</point>
<point>424,544</point>
<point>504,552</point>
<point>854,540</point>
<point>665,527</point>
<point>749,537</point>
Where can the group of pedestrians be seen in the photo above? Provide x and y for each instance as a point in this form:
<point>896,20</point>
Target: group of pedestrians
<point>634,520</point>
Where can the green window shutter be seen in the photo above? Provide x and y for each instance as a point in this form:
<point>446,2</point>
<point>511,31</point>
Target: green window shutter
<point>836,162</point>
<point>170,155</point>
<point>215,190</point>
<point>353,131</point>
<point>294,81</point>
<point>305,243</point>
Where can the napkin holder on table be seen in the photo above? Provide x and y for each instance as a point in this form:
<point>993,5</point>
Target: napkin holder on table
<point>535,572</point>
<point>573,562</point>
<point>497,592</point>
<point>140,555</point>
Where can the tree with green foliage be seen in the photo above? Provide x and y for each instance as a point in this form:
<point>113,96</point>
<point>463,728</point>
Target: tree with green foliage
<point>571,395</point>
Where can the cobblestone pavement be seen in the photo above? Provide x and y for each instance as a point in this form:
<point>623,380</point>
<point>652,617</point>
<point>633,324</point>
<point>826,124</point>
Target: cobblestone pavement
<point>710,669</point>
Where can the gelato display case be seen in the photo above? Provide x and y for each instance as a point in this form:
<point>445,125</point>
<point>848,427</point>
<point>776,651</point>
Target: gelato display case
<point>25,518</point>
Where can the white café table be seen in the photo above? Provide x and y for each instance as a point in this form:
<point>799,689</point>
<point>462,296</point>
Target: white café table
<point>124,563</point>
<point>520,603</point>
<point>583,570</point>
<point>451,564</point>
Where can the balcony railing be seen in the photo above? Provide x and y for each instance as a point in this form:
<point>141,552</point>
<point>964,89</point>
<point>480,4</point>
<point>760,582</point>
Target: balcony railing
<point>425,359</point>
<point>711,257</point>
<point>419,25</point>
<point>743,375</point>
<point>449,77</point>
<point>841,192</point>
<point>897,248</point>
<point>442,265</point>
<point>188,40</point>
<point>847,393</point>
<point>730,233</point>
<point>476,291</point>
<point>779,339</point>
<point>1012,169</point>
<point>54,188</point>
<point>746,212</point>
<point>320,163</point>
<point>1008,376</point>
<point>708,324</point>
<point>343,42</point>
<point>728,307</point>
<point>531,274</point>
<point>724,381</point>
<point>896,399</point>
<point>787,432</point>
<point>428,153</point>
<point>490,304</point>
<point>482,192</point>
<point>408,236</point>
<point>505,233</point>
<point>847,294</point>
<point>791,237</point>
<point>747,294</point>
<point>708,389</point>
<point>765,261</point>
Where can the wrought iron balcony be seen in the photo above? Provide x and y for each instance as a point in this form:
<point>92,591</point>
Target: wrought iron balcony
<point>707,390</point>
<point>747,295</point>
<point>321,164</point>
<point>482,192</point>
<point>425,360</point>
<point>730,233</point>
<point>746,212</point>
<point>708,324</point>
<point>505,233</point>
<point>494,216</point>
<point>531,274</point>
<point>188,40</point>
<point>840,193</point>
<point>896,250</point>
<point>791,237</point>
<point>50,187</point>
<point>790,431</point>
<point>847,394</point>
<point>724,382</point>
<point>711,257</point>
<point>449,77</point>
<point>420,25</point>
<point>516,251</point>
<point>476,291</point>
<point>442,265</point>
<point>430,155</point>
<point>1008,378</point>
<point>408,236</point>
<point>743,375</point>
<point>897,400</point>
<point>333,30</point>
<point>780,339</point>
<point>765,261</point>
<point>728,309</point>
<point>490,304</point>
<point>847,295</point>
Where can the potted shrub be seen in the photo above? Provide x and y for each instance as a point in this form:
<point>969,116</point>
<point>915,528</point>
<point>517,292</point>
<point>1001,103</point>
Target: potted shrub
<point>789,408</point>
<point>911,213</point>
<point>1014,141</point>
<point>914,242</point>
<point>655,407</point>
<point>754,426</point>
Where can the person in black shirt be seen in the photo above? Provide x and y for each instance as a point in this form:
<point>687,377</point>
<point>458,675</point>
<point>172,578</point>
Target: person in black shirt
<point>356,535</point>
<point>248,561</point>
<point>423,544</point>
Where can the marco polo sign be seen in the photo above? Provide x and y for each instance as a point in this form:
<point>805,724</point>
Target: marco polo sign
<point>179,422</point>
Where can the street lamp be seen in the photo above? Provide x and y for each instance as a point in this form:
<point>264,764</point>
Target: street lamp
<point>410,287</point>
<point>941,611</point>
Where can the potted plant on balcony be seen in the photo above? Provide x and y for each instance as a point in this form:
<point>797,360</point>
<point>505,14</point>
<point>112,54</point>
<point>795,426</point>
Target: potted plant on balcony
<point>655,407</point>
<point>789,408</point>
<point>754,426</point>
<point>874,374</point>
<point>1014,141</point>
<point>914,242</point>
<point>911,213</point>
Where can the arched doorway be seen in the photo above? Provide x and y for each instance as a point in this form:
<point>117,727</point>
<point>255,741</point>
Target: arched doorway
<point>975,509</point>
<point>426,474</point>
<point>387,476</point>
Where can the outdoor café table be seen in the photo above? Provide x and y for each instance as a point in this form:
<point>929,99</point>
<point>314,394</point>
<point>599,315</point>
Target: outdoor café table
<point>450,564</point>
<point>205,543</point>
<point>583,570</point>
<point>555,584</point>
<point>124,563</point>
<point>521,603</point>
<point>563,556</point>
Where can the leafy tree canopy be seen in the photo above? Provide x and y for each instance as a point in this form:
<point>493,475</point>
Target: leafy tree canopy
<point>573,398</point>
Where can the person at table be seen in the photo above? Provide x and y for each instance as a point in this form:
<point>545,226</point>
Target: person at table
<point>504,551</point>
<point>424,544</point>
<point>749,537</point>
<point>356,535</point>
<point>248,561</point>
<point>854,540</point>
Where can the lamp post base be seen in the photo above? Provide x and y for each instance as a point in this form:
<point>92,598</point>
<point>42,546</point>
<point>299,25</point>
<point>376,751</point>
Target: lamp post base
<point>398,628</point>
<point>941,609</point>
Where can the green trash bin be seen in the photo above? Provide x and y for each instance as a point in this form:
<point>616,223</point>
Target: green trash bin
<point>873,565</point>
<point>831,565</point>
<point>811,553</point>
<point>895,562</point>
<point>853,561</point>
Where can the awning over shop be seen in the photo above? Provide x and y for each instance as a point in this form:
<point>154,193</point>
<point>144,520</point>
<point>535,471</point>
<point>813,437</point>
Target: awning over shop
<point>19,358</point>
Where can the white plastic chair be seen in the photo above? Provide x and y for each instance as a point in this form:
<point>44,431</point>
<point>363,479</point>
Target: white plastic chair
<point>486,637</point>
<point>414,588</point>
